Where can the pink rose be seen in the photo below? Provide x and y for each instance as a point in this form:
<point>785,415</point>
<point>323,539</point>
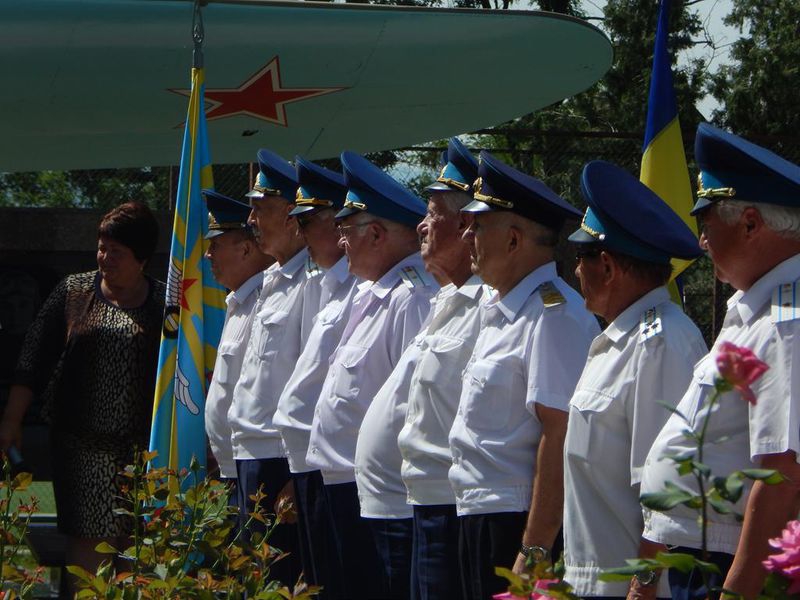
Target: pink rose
<point>787,562</point>
<point>739,367</point>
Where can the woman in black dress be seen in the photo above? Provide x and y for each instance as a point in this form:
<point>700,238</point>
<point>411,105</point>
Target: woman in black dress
<point>92,354</point>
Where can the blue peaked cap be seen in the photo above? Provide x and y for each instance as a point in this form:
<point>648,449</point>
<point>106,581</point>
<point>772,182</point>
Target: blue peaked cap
<point>276,177</point>
<point>500,187</point>
<point>459,170</point>
<point>733,168</point>
<point>319,188</point>
<point>626,216</point>
<point>224,213</point>
<point>371,190</point>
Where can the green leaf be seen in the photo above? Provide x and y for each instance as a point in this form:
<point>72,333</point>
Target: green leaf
<point>718,504</point>
<point>105,548</point>
<point>508,574</point>
<point>22,481</point>
<point>671,497</point>
<point>676,560</point>
<point>80,573</point>
<point>769,476</point>
<point>707,567</point>
<point>701,468</point>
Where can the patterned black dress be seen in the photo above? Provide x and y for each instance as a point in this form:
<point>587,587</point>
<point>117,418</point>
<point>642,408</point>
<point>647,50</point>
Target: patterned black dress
<point>95,365</point>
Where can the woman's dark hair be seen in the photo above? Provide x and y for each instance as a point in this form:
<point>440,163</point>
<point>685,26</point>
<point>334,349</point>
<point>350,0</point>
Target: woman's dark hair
<point>133,225</point>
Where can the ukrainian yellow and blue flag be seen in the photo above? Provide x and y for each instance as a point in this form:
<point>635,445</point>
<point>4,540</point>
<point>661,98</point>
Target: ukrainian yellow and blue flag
<point>664,167</point>
<point>195,306</point>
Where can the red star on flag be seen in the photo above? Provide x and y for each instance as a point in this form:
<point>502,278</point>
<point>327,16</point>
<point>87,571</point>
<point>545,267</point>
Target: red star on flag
<point>262,96</point>
<point>185,285</point>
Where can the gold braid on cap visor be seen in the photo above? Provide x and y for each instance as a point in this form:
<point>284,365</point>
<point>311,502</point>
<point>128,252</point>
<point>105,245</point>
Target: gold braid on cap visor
<point>356,205</point>
<point>449,181</point>
<point>489,199</point>
<point>712,193</point>
<point>301,200</point>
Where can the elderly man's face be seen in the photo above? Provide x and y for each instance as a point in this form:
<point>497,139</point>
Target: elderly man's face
<point>224,253</point>
<point>268,218</point>
<point>320,234</point>
<point>488,245</point>
<point>440,238</point>
<point>354,236</point>
<point>721,242</point>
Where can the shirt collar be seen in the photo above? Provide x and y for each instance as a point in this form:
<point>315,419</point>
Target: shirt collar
<point>630,317</point>
<point>511,303</point>
<point>338,272</point>
<point>290,268</point>
<point>240,294</point>
<point>471,288</point>
<point>386,283</point>
<point>750,303</point>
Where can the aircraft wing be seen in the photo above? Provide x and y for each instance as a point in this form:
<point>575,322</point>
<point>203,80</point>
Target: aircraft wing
<point>100,83</point>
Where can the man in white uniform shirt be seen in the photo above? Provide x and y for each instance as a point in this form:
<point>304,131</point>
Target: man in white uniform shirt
<point>320,196</point>
<point>439,351</point>
<point>285,309</point>
<point>238,264</point>
<point>644,357</point>
<point>378,229</point>
<point>507,437</point>
<point>749,206</point>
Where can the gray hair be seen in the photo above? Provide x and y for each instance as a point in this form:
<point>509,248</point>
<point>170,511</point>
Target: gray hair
<point>782,220</point>
<point>454,200</point>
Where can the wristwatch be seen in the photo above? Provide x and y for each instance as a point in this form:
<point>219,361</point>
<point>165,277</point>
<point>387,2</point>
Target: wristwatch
<point>537,553</point>
<point>646,578</point>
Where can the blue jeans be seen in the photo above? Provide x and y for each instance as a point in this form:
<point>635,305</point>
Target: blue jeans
<point>690,586</point>
<point>434,554</point>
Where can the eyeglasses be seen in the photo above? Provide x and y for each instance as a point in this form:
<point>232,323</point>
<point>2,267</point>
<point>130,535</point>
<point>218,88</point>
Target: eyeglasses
<point>304,220</point>
<point>343,229</point>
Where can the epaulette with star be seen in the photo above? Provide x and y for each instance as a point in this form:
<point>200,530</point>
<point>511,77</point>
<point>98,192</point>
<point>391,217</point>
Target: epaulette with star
<point>550,294</point>
<point>650,324</point>
<point>414,277</point>
<point>785,302</point>
<point>312,268</point>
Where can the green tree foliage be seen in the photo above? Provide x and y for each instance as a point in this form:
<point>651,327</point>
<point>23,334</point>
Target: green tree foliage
<point>758,88</point>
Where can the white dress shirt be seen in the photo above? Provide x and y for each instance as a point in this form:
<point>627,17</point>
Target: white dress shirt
<point>645,356</point>
<point>381,490</point>
<point>230,354</point>
<point>440,353</point>
<point>531,349</point>
<point>385,317</point>
<point>283,317</point>
<point>296,405</point>
<point>765,320</point>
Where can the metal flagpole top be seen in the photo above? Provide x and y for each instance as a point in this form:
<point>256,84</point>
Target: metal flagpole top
<point>198,33</point>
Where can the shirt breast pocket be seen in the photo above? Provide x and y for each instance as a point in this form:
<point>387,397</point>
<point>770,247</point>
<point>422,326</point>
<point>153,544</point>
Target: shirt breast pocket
<point>490,402</point>
<point>226,372</point>
<point>351,360</point>
<point>440,360</point>
<point>271,331</point>
<point>327,320</point>
<point>584,436</point>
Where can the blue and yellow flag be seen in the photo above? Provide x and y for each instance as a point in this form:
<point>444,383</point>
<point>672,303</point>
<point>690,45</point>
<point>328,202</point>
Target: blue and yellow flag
<point>195,306</point>
<point>664,167</point>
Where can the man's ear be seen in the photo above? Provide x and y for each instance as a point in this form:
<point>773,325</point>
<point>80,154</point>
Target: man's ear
<point>514,239</point>
<point>611,270</point>
<point>752,221</point>
<point>464,221</point>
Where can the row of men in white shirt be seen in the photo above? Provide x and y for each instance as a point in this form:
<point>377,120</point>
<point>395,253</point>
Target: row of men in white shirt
<point>393,410</point>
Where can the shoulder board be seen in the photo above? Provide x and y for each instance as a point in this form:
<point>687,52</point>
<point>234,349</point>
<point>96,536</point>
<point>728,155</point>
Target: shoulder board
<point>650,324</point>
<point>312,268</point>
<point>550,294</point>
<point>414,277</point>
<point>785,302</point>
